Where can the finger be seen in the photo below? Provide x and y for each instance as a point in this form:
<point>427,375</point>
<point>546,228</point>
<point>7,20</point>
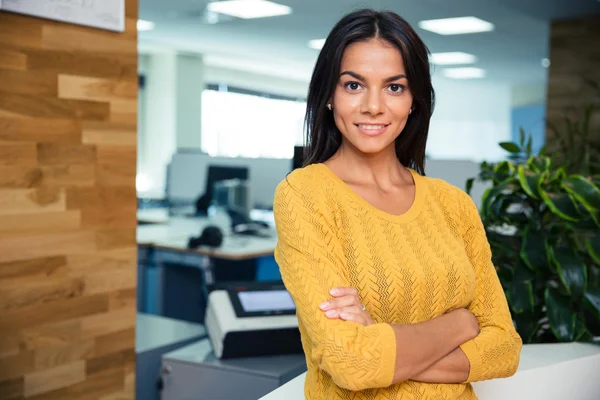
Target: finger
<point>339,302</point>
<point>358,318</point>
<point>343,291</point>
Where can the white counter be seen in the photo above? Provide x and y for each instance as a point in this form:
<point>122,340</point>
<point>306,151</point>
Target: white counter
<point>546,372</point>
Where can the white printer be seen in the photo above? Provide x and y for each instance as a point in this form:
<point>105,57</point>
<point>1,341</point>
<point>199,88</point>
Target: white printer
<point>250,320</point>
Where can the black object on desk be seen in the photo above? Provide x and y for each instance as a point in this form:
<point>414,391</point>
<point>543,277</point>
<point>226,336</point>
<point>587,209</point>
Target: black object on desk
<point>218,173</point>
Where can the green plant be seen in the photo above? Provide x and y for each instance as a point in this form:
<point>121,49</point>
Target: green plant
<point>543,225</point>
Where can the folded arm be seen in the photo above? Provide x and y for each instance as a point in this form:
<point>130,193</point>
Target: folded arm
<point>311,260</point>
<point>495,352</point>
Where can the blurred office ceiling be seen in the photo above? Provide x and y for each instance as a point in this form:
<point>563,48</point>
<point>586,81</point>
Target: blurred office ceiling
<point>512,53</point>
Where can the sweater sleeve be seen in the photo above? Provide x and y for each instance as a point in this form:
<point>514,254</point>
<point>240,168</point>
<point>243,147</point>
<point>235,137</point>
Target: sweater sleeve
<point>495,352</point>
<point>310,257</point>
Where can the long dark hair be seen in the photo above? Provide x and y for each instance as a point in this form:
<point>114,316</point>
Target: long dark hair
<point>323,138</point>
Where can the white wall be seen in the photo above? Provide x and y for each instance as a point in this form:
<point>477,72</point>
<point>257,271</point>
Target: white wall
<point>471,117</point>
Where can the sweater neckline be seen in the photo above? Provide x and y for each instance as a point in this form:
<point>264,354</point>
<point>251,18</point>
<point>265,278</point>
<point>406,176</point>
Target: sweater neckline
<point>409,215</point>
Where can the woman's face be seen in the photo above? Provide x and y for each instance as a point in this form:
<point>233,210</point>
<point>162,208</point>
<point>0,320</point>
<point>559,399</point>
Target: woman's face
<point>372,99</point>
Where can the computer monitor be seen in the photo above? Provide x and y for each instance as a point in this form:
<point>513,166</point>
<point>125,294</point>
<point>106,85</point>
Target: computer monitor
<point>298,159</point>
<point>214,174</point>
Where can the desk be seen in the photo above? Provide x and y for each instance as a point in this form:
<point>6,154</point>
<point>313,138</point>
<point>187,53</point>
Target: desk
<point>155,336</point>
<point>546,372</point>
<point>165,244</point>
<point>194,373</point>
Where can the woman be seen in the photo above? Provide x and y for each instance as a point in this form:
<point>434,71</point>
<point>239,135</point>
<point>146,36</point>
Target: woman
<point>390,271</point>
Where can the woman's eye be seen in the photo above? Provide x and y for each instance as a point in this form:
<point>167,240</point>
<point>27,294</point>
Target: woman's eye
<point>396,88</point>
<point>352,86</point>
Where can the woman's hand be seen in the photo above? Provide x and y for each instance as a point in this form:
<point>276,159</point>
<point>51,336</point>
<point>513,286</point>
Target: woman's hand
<point>346,305</point>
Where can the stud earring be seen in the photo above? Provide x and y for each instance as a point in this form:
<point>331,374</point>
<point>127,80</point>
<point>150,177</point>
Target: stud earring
<point>410,111</point>
<point>330,107</point>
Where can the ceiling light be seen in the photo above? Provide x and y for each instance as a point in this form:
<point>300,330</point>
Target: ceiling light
<point>456,26</point>
<point>464,73</point>
<point>248,9</point>
<point>316,44</point>
<point>454,57</point>
<point>144,25</point>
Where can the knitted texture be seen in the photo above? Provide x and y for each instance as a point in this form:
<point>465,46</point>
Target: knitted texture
<point>407,268</point>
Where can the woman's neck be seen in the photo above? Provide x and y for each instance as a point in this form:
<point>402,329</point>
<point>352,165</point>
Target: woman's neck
<point>382,169</point>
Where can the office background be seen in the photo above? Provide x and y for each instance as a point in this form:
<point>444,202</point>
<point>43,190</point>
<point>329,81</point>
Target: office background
<point>94,123</point>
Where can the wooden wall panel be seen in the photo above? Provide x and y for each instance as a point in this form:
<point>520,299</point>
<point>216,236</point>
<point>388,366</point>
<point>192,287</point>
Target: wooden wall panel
<point>68,113</point>
<point>574,57</point>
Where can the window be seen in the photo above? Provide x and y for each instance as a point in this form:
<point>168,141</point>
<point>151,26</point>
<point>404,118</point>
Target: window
<point>245,124</point>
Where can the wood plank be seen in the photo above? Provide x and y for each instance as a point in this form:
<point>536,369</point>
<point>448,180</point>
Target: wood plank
<point>69,176</point>
<point>107,323</point>
<point>126,298</point>
<point>119,259</point>
<point>115,239</point>
<point>16,366</point>
<point>21,154</point>
<point>35,268</point>
<point>21,292</point>
<point>100,384</point>
<point>115,342</point>
<point>18,177</point>
<point>104,207</point>
<point>9,345</point>
<point>88,88</point>
<point>48,107</point>
<point>51,357</point>
<point>54,378</point>
<point>19,31</point>
<point>110,280</point>
<point>12,59</point>
<point>56,244</point>
<point>61,154</point>
<point>116,166</point>
<point>53,334</point>
<point>52,222</point>
<point>46,130</point>
<point>39,83</point>
<point>55,311</point>
<point>74,63</point>
<point>109,361</point>
<point>12,389</point>
<point>109,133</point>
<point>32,201</point>
<point>85,41</point>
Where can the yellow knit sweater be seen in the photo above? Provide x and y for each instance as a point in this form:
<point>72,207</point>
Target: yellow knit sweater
<point>408,268</point>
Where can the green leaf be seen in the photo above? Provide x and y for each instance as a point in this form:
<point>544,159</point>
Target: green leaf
<point>522,136</point>
<point>560,316</point>
<point>592,245</point>
<point>521,273</point>
<point>534,251</point>
<point>531,182</point>
<point>520,296</point>
<point>503,171</point>
<point>561,204</point>
<point>510,147</point>
<point>583,190</point>
<point>592,300</point>
<point>580,329</point>
<point>527,326</point>
<point>469,186</point>
<point>528,148</point>
<point>539,163</point>
<point>557,175</point>
<point>491,194</point>
<point>571,270</point>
